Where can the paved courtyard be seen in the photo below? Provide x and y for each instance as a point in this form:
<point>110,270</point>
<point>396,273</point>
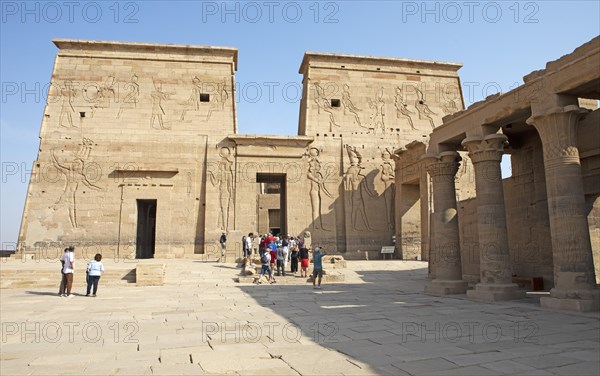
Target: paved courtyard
<point>377,322</point>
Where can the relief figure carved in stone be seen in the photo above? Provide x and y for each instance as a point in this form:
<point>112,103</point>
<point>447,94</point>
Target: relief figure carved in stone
<point>158,96</point>
<point>132,97</point>
<point>349,106</point>
<point>423,109</point>
<point>317,186</point>
<point>356,184</point>
<point>377,118</point>
<point>223,178</point>
<point>402,110</point>
<point>388,177</point>
<point>75,172</point>
<point>193,102</point>
<point>105,93</point>
<point>323,104</point>
<point>67,92</point>
<point>217,101</point>
<point>450,107</point>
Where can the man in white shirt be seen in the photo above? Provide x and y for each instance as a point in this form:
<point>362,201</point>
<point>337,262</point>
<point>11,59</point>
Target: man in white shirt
<point>68,260</point>
<point>248,248</point>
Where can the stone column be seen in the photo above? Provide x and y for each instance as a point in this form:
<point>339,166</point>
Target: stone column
<point>574,278</point>
<point>495,269</point>
<point>445,243</point>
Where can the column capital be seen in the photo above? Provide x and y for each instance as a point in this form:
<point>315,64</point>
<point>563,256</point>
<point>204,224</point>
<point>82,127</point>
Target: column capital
<point>443,164</point>
<point>558,131</point>
<point>488,148</point>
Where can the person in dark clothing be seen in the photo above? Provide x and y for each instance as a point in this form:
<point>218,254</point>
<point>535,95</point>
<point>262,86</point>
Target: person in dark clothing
<point>223,242</point>
<point>303,253</point>
<point>294,257</point>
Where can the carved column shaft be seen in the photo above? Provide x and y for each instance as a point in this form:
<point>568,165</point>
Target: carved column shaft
<point>486,155</point>
<point>445,244</point>
<point>571,244</point>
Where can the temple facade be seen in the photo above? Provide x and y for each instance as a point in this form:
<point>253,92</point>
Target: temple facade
<point>140,154</point>
<point>140,157</point>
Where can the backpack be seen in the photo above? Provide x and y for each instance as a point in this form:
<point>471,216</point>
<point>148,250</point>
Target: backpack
<point>263,258</point>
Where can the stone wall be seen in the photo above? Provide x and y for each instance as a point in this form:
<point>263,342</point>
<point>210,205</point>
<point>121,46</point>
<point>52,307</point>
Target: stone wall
<point>360,110</point>
<point>125,122</point>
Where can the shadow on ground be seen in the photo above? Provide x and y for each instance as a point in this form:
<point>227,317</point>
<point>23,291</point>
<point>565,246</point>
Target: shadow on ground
<point>388,324</point>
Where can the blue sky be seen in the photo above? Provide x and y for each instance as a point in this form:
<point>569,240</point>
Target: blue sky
<point>498,43</point>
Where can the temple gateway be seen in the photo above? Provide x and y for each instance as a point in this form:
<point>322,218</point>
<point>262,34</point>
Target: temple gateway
<point>140,157</point>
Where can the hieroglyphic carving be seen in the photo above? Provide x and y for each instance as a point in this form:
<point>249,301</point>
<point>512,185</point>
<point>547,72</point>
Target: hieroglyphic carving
<point>349,106</point>
<point>325,105</point>
<point>388,177</point>
<point>355,183</point>
<point>223,178</point>
<point>317,185</point>
<point>193,102</point>
<point>450,107</point>
<point>402,110</point>
<point>133,93</point>
<point>105,92</point>
<point>377,118</point>
<point>219,99</point>
<point>75,173</point>
<point>189,184</point>
<point>67,93</point>
<point>423,109</point>
<point>157,110</point>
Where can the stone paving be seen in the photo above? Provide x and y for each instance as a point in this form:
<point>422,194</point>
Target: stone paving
<point>377,322</point>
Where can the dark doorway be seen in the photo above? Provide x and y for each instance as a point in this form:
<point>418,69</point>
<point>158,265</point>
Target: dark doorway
<point>146,229</point>
<point>275,180</point>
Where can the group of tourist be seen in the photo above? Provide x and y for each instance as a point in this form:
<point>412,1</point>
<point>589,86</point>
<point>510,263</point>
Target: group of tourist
<point>276,252</point>
<point>94,270</point>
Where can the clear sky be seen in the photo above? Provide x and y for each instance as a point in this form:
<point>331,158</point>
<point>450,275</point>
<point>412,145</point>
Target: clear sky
<point>498,43</point>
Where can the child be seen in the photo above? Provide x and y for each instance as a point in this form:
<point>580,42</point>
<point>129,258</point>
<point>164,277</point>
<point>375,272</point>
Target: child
<point>94,270</point>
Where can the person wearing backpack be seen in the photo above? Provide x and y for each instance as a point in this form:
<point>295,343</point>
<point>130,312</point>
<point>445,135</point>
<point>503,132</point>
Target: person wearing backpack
<point>265,260</point>
<point>94,270</point>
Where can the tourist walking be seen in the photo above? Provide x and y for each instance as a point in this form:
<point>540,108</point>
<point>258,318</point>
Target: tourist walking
<point>68,261</point>
<point>95,269</point>
<point>265,261</point>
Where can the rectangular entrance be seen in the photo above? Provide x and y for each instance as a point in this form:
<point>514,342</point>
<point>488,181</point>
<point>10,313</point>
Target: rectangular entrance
<point>146,229</point>
<point>275,218</point>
